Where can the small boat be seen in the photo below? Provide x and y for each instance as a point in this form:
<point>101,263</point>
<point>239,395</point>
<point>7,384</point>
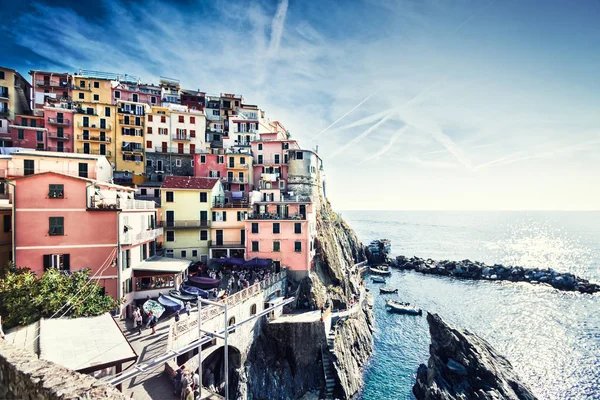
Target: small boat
<point>204,282</point>
<point>377,279</point>
<point>402,308</point>
<point>154,306</point>
<point>387,290</point>
<point>380,271</point>
<point>193,291</point>
<point>183,296</point>
<point>170,303</point>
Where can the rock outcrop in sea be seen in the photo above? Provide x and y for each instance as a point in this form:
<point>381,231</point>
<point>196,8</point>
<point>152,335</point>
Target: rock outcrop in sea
<point>475,270</point>
<point>464,366</point>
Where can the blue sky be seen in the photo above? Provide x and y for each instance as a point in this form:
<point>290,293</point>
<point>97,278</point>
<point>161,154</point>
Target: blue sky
<point>461,104</point>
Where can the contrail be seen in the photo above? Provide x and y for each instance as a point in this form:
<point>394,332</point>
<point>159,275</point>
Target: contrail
<point>387,147</point>
<point>343,116</point>
<point>362,135</point>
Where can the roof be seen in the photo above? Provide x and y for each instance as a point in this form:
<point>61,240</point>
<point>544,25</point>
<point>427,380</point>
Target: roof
<point>95,182</point>
<point>189,182</point>
<point>57,154</point>
<point>163,264</point>
<point>79,344</point>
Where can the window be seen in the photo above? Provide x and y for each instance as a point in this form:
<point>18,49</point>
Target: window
<point>260,159</point>
<point>178,162</point>
<point>255,246</point>
<point>298,227</point>
<point>170,236</point>
<point>149,117</point>
<point>96,97</point>
<point>117,95</point>
<point>97,85</point>
<point>203,197</point>
<point>2,75</point>
<point>40,136</point>
<point>253,309</point>
<point>153,100</point>
<point>169,197</point>
<point>216,112</point>
<point>163,119</point>
<point>298,247</point>
<point>183,254</point>
<point>203,235</point>
<point>181,118</point>
<point>192,163</point>
<point>192,120</point>
<point>276,158</point>
<point>40,146</point>
<point>56,191</point>
<point>276,227</point>
<point>260,146</point>
<point>83,170</point>
<point>150,130</point>
<point>276,246</point>
<point>149,146</point>
<point>143,192</point>
<point>148,163</point>
<point>194,253</point>
<point>20,134</point>
<point>281,185</point>
<point>107,111</point>
<point>81,96</point>
<point>224,216</point>
<point>192,133</point>
<point>255,227</point>
<point>57,226</point>
<point>299,155</point>
<point>240,216</point>
<point>58,261</point>
<point>243,160</point>
<point>7,223</point>
<point>155,282</point>
<point>220,160</point>
<point>203,159</point>
<point>82,84</point>
<point>28,167</point>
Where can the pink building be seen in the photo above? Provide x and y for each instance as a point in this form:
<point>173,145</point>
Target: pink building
<point>271,159</point>
<point>137,93</point>
<point>29,132</point>
<point>59,122</point>
<point>210,165</point>
<point>50,87</point>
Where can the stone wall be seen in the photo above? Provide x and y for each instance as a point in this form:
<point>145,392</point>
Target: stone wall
<point>24,376</point>
<point>169,164</point>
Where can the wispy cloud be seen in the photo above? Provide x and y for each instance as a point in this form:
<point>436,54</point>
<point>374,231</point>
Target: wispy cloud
<point>388,146</point>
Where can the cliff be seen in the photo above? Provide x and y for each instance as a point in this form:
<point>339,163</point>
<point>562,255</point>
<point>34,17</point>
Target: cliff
<point>464,366</point>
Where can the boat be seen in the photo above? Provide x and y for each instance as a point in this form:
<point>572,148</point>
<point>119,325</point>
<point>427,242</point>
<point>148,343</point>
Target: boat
<point>380,271</point>
<point>203,282</point>
<point>193,291</point>
<point>378,279</point>
<point>387,290</point>
<point>402,308</point>
<point>376,245</point>
<point>154,306</point>
<point>170,303</point>
<point>183,296</point>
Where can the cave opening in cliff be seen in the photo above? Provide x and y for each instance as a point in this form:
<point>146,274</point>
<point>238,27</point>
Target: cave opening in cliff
<point>213,371</point>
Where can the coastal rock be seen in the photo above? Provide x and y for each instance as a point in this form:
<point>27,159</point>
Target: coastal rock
<point>464,366</point>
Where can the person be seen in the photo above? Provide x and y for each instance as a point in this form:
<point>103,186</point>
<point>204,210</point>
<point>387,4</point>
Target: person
<point>195,380</point>
<point>185,383</point>
<point>188,308</point>
<point>149,319</point>
<point>189,394</point>
<point>177,380</point>
<point>177,316</point>
<point>137,317</point>
<point>153,322</point>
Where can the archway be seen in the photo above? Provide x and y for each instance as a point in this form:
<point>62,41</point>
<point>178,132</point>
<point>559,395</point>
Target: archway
<point>213,371</point>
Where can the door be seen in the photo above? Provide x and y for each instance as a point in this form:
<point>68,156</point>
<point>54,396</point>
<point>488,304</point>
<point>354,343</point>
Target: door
<point>180,148</point>
<point>170,218</point>
<point>230,176</point>
<point>60,146</point>
<point>231,162</point>
<point>303,210</point>
<point>204,218</point>
<point>219,237</point>
<point>86,121</point>
<point>103,136</point>
<point>103,149</point>
<point>86,148</point>
<point>241,177</point>
<point>243,237</point>
<point>102,123</point>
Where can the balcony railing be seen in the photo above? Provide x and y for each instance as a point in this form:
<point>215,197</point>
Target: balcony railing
<point>228,179</point>
<point>61,150</point>
<point>131,122</point>
<point>56,121</point>
<point>269,161</point>
<point>54,135</point>
<point>176,150</point>
<point>220,202</point>
<point>181,137</point>
<point>130,112</point>
<point>119,204</point>
<point>134,132</point>
<point>130,238</point>
<point>97,152</point>
<point>85,112</point>
<point>62,85</point>
<point>287,199</point>
<point>238,166</point>
<point>223,244</point>
<point>273,177</point>
<point>185,224</point>
<point>88,138</point>
<point>216,144</point>
<point>295,217</point>
<point>97,127</point>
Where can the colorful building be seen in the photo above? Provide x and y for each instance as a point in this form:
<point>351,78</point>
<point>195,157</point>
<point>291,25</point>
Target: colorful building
<point>50,87</point>
<point>271,160</point>
<point>14,100</point>
<point>28,131</point>
<point>129,146</point>
<point>59,124</point>
<point>228,229</point>
<point>5,235</point>
<point>187,204</point>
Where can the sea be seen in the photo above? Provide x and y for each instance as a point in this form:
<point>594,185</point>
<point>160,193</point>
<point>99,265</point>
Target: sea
<point>551,338</point>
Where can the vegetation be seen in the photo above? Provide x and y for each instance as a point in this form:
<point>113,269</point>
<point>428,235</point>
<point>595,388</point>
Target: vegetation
<point>25,298</point>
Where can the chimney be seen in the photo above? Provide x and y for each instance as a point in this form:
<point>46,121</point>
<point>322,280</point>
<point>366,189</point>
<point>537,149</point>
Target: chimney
<point>317,149</point>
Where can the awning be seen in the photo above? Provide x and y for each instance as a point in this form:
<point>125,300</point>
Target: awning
<point>259,262</point>
<point>231,261</point>
<point>163,264</point>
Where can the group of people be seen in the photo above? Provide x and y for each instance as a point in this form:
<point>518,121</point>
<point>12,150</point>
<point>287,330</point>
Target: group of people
<point>186,384</point>
<point>138,320</point>
<point>239,279</point>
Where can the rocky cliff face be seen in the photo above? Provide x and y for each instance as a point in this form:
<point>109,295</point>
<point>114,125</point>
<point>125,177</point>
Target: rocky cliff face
<point>464,366</point>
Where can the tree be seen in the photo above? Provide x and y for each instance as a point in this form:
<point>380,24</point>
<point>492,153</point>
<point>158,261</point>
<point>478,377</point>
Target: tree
<point>25,298</point>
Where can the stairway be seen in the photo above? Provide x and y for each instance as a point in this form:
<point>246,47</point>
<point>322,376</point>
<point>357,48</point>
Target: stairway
<point>22,98</point>
<point>328,366</point>
<point>331,340</point>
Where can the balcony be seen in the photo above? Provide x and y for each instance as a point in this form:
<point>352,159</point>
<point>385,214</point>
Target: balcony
<point>59,150</point>
<point>133,132</point>
<point>287,199</point>
<point>269,177</point>
<point>269,161</point>
<point>107,153</point>
<point>176,150</point>
<point>137,150</point>
<point>61,122</point>
<point>237,166</point>
<point>131,122</point>
<point>289,217</point>
<point>223,244</point>
<point>227,202</point>
<point>54,135</point>
<point>97,204</point>
<point>181,138</point>
<point>130,112</point>
<point>243,143</point>
<point>229,179</point>
<point>131,238</point>
<point>88,138</point>
<point>185,224</point>
<point>216,144</point>
<point>95,127</point>
<point>49,84</point>
<point>86,112</point>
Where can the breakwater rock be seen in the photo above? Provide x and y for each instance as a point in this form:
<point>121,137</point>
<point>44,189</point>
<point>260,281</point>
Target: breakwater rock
<point>464,366</point>
<point>468,269</point>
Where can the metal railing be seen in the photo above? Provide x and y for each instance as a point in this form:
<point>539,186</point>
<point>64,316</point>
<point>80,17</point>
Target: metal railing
<point>56,121</point>
<point>130,112</point>
<point>95,152</point>
<point>94,138</point>
<point>225,244</point>
<point>106,127</point>
<point>185,224</point>
<point>295,217</point>
<point>181,137</point>
<point>134,238</point>
<point>63,136</point>
<point>131,122</point>
<point>228,179</point>
<point>238,166</point>
<point>119,204</point>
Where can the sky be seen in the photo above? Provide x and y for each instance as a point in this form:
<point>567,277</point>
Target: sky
<point>413,104</point>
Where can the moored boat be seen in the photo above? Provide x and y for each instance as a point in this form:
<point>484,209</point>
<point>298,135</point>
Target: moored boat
<point>378,279</point>
<point>170,303</point>
<point>183,296</point>
<point>380,271</point>
<point>203,282</point>
<point>154,306</point>
<point>402,308</point>
<point>193,291</point>
<point>387,290</point>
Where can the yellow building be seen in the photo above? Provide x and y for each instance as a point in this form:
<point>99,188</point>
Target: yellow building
<point>94,119</point>
<point>228,233</point>
<point>14,98</point>
<point>187,204</point>
<point>239,175</point>
<point>131,122</point>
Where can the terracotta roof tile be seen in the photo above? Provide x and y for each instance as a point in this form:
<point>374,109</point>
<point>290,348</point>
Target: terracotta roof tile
<point>189,182</point>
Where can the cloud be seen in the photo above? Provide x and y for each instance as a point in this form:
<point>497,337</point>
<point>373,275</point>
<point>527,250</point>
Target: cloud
<point>388,146</point>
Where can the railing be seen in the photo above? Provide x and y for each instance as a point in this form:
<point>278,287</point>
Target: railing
<point>244,144</point>
<point>63,136</point>
<point>238,166</point>
<point>93,138</point>
<point>217,144</point>
<point>182,224</point>
<point>96,152</point>
<point>228,179</point>
<point>62,85</point>
<point>82,111</point>
<point>106,127</point>
<point>181,137</point>
<point>273,177</point>
<point>131,122</point>
<point>295,217</point>
<point>269,161</point>
<point>54,148</point>
<point>130,112</point>
<point>133,238</point>
<point>185,325</point>
<point>56,121</point>
<point>132,150</point>
<point>216,243</point>
<point>287,199</point>
<point>134,132</point>
<point>237,203</point>
<point>120,204</point>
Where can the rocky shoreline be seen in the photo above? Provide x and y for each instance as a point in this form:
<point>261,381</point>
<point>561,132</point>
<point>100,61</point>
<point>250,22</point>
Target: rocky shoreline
<point>475,270</point>
<point>464,366</point>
